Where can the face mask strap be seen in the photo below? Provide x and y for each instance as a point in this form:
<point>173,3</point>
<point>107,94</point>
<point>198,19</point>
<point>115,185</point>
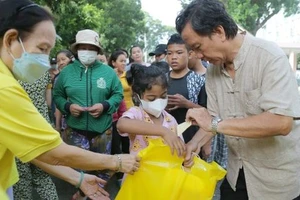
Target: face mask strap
<point>11,55</point>
<point>22,45</point>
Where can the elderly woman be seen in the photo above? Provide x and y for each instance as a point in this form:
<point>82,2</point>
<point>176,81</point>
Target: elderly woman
<point>27,35</point>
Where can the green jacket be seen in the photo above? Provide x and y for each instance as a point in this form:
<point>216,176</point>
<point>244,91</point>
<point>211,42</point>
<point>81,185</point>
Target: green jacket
<point>98,83</point>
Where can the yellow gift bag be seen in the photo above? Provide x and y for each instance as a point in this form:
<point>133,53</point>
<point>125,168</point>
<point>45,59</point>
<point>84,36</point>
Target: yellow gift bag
<point>162,177</point>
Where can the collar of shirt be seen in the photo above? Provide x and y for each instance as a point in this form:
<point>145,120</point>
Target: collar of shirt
<point>241,56</point>
<point>123,75</point>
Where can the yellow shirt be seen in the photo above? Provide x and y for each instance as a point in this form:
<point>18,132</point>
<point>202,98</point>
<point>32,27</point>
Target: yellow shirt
<point>24,133</point>
<point>127,91</point>
<point>3,195</point>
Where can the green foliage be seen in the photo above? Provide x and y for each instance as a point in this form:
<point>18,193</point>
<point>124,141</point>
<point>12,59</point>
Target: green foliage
<point>72,17</point>
<point>243,13</point>
<point>118,22</point>
<point>155,32</point>
<point>184,3</point>
<point>123,22</point>
<point>253,14</point>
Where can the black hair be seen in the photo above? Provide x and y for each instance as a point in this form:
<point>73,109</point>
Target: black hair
<point>114,56</point>
<point>205,16</point>
<point>175,39</point>
<point>67,53</point>
<point>142,78</point>
<point>21,15</point>
<point>124,50</point>
<point>133,46</point>
<point>163,66</point>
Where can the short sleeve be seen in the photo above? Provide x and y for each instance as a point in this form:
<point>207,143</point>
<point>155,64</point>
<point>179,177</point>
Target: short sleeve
<point>202,97</point>
<point>23,130</point>
<point>49,78</point>
<point>132,113</point>
<point>279,92</point>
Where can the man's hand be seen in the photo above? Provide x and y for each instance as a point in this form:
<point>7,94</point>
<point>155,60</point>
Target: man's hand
<point>176,101</point>
<point>206,150</point>
<point>91,187</point>
<point>200,117</point>
<point>76,110</point>
<point>194,146</point>
<point>96,110</point>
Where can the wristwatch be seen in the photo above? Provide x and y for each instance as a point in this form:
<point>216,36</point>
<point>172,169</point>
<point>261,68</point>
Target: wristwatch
<point>214,124</point>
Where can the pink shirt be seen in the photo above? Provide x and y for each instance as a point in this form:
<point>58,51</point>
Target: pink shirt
<point>139,142</point>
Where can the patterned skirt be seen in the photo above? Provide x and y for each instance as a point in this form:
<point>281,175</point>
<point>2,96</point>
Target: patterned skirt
<point>95,142</point>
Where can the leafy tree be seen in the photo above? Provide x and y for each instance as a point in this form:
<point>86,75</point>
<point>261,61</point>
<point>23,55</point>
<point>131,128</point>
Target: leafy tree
<point>118,22</point>
<point>254,14</point>
<point>123,22</point>
<point>87,16</point>
<point>155,32</point>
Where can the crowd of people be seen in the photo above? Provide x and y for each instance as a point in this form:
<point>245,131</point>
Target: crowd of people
<point>84,115</point>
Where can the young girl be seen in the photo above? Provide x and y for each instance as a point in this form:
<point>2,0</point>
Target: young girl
<point>149,119</point>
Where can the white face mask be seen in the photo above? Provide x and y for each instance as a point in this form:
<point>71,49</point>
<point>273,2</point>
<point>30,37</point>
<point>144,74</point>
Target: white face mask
<point>87,57</point>
<point>154,108</point>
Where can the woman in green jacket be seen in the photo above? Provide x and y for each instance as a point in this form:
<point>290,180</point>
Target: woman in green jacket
<point>88,92</point>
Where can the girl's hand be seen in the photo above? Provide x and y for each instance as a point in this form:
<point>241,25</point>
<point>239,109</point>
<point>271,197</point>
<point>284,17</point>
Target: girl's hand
<point>174,142</point>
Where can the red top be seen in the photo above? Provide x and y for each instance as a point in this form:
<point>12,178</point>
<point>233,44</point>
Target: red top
<point>120,111</point>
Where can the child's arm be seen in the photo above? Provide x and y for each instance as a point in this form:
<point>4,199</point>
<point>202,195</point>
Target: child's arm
<point>137,127</point>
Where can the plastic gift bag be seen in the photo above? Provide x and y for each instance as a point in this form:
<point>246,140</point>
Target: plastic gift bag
<point>162,177</point>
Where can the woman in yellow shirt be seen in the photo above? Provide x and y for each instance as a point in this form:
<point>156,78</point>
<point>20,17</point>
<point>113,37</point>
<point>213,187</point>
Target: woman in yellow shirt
<point>27,35</point>
<point>117,61</point>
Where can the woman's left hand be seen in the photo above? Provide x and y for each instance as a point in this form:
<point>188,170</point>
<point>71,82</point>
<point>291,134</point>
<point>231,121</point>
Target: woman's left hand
<point>91,187</point>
